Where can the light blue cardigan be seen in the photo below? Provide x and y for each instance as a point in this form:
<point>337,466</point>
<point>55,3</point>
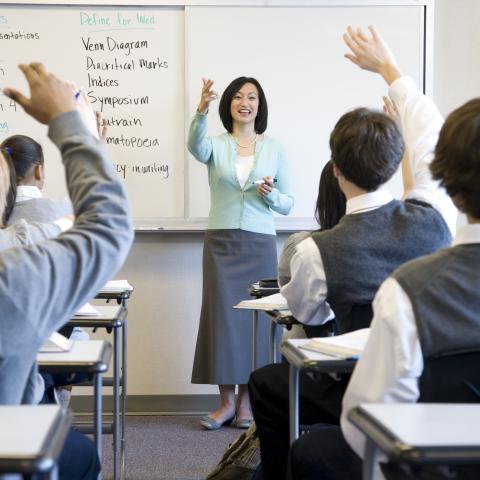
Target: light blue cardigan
<point>231,206</point>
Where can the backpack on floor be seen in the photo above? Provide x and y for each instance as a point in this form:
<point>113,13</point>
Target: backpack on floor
<point>241,458</point>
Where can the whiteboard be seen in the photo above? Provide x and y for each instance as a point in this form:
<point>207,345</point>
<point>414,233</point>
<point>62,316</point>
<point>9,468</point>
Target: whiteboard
<point>142,66</point>
<point>297,55</point>
<point>130,61</point>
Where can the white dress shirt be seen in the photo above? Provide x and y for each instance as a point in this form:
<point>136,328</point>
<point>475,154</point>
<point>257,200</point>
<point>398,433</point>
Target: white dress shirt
<point>27,192</point>
<point>421,121</point>
<point>392,362</point>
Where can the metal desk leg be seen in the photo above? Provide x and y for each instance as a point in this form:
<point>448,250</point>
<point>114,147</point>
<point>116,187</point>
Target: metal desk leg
<point>293,402</point>
<point>369,461</point>
<point>124,392</point>
<point>116,401</point>
<point>255,331</point>
<point>98,416</point>
<point>272,354</point>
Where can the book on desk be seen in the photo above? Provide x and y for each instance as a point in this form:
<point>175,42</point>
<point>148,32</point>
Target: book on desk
<point>272,302</point>
<point>348,345</point>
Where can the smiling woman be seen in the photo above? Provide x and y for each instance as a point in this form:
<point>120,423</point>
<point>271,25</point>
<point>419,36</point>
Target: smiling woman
<point>243,165</point>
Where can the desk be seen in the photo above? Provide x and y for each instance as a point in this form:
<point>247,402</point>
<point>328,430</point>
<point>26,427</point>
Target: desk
<point>256,291</point>
<point>419,433</point>
<point>110,317</point>
<point>300,359</point>
<point>92,356</point>
<point>32,438</point>
<point>121,295</point>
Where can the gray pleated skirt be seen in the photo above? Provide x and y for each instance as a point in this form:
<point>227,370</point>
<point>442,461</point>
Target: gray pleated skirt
<point>232,260</point>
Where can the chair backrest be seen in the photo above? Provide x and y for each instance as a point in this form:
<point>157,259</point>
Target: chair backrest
<point>452,377</point>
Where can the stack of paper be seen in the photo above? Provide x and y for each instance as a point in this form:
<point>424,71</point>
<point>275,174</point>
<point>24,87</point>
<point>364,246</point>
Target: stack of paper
<point>272,302</point>
<point>56,343</point>
<point>87,311</point>
<point>347,345</point>
<point>114,286</point>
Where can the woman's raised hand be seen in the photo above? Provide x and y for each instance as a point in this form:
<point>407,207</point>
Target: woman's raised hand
<point>208,95</point>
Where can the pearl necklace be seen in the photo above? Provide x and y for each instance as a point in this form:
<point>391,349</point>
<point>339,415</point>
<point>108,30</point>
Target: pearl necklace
<point>245,146</point>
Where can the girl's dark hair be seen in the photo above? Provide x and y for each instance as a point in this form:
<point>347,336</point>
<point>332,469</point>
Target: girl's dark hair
<point>11,194</point>
<point>24,152</point>
<point>331,202</point>
<point>226,101</point>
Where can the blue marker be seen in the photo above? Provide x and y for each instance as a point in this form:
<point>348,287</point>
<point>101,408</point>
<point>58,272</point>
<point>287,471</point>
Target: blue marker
<point>77,94</point>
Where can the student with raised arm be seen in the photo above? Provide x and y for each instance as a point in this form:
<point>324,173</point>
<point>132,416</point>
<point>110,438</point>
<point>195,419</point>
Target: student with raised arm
<point>342,268</point>
<point>42,285</point>
<point>428,307</point>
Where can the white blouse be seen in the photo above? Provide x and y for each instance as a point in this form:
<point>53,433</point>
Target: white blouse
<point>243,167</point>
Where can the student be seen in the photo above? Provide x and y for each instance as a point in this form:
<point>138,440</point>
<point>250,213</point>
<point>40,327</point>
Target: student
<point>329,209</point>
<point>343,267</point>
<point>42,285</point>
<point>429,306</point>
<point>27,159</point>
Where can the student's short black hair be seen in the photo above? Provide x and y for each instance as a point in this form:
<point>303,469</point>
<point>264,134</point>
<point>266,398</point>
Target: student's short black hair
<point>226,101</point>
<point>457,157</point>
<point>24,152</point>
<point>331,202</point>
<point>367,147</point>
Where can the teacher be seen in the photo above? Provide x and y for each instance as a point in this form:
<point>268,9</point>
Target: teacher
<point>249,179</point>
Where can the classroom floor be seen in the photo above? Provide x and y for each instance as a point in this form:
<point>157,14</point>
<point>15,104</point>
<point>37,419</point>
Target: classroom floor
<point>169,448</point>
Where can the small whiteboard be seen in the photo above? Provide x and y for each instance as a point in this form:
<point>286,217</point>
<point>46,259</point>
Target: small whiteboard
<point>142,67</point>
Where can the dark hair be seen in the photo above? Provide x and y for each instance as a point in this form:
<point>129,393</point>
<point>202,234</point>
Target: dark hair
<point>331,202</point>
<point>24,152</point>
<point>226,101</point>
<point>457,157</point>
<point>367,147</point>
<point>11,194</point>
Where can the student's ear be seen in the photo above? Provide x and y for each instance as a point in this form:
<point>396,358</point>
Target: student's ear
<point>39,174</point>
<point>336,171</point>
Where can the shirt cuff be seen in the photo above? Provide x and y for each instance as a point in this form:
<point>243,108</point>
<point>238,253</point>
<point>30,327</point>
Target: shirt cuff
<point>63,223</point>
<point>401,88</point>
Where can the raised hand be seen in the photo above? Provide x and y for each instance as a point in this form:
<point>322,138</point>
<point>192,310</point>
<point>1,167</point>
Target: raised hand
<point>370,52</point>
<point>390,109</point>
<point>102,127</point>
<point>49,96</point>
<point>208,95</point>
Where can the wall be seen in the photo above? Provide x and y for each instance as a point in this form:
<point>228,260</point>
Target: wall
<point>166,268</point>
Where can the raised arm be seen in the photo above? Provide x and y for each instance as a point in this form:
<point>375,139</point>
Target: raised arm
<point>419,118</point>
<point>41,286</point>
<point>390,109</point>
<point>198,144</point>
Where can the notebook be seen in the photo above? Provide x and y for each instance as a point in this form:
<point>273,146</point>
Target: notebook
<point>116,286</point>
<point>347,345</point>
<point>272,302</point>
<point>56,343</point>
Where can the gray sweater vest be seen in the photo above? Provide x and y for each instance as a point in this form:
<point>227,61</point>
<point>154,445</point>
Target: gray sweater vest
<point>365,248</point>
<point>40,210</point>
<point>444,290</point>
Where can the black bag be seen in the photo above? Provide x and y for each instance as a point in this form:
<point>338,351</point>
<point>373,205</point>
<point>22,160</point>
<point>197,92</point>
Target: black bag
<point>241,458</point>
